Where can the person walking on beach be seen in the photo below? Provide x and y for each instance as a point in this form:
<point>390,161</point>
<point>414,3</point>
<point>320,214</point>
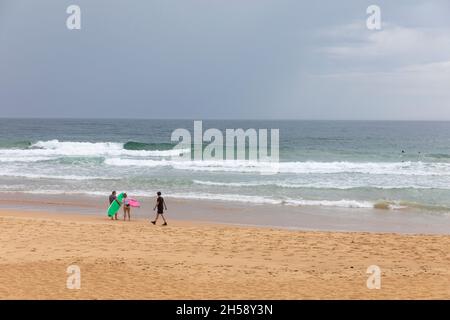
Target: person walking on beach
<point>126,207</point>
<point>161,205</point>
<point>113,197</point>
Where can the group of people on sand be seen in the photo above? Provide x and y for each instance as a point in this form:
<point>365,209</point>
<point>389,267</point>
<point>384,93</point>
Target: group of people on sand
<point>160,205</point>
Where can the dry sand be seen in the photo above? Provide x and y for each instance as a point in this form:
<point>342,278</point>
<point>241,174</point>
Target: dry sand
<point>136,260</point>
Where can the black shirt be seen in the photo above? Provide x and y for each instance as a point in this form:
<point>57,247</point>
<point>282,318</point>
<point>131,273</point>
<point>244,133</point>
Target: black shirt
<point>160,204</point>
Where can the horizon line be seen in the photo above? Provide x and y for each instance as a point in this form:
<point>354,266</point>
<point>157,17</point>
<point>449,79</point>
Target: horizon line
<point>224,119</point>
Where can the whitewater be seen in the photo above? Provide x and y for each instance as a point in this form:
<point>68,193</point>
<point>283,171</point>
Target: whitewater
<point>343,166</point>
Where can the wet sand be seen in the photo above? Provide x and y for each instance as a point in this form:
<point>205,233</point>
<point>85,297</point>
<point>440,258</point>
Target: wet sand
<point>306,218</point>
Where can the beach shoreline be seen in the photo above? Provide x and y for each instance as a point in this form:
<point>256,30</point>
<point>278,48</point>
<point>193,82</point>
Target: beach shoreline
<point>306,218</point>
<point>190,260</point>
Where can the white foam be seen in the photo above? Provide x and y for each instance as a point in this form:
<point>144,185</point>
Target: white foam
<point>76,148</point>
<point>115,155</point>
<point>22,159</point>
<point>331,203</point>
<point>344,203</point>
<point>226,197</point>
<point>333,184</point>
<point>256,200</point>
<point>232,184</point>
<point>308,167</point>
<point>56,148</point>
<point>136,162</point>
<point>56,177</point>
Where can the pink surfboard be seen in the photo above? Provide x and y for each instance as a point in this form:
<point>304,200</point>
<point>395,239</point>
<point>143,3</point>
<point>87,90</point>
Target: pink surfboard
<point>134,203</point>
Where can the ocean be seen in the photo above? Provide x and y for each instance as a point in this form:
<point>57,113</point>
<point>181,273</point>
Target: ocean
<point>349,164</point>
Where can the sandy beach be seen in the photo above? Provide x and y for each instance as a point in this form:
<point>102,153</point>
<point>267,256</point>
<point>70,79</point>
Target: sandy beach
<point>299,151</point>
<point>194,260</point>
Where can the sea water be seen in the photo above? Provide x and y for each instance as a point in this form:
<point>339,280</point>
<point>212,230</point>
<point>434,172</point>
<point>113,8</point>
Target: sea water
<point>351,164</point>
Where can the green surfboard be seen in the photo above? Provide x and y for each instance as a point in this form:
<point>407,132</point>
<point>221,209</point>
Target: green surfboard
<point>114,207</point>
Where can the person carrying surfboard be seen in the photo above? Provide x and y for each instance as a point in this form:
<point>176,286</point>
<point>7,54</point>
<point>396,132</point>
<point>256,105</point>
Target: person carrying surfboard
<point>113,198</point>
<point>161,205</point>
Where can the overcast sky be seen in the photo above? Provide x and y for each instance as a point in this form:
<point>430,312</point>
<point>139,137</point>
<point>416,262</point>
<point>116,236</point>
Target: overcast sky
<point>201,59</point>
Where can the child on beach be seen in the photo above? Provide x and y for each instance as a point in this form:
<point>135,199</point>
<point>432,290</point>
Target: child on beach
<point>126,207</point>
<point>161,205</point>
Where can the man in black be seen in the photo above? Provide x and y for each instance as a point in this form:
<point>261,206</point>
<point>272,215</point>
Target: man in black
<point>112,197</point>
<point>161,205</point>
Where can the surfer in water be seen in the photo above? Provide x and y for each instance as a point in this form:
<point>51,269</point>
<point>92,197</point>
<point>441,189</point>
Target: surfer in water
<point>126,207</point>
<point>161,205</point>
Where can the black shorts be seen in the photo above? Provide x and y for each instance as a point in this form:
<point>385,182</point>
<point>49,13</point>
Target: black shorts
<point>160,212</point>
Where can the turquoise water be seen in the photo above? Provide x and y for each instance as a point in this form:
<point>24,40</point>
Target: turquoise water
<point>389,165</point>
